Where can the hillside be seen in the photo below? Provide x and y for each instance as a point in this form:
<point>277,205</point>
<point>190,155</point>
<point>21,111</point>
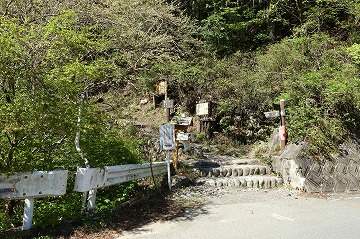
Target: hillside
<point>78,70</point>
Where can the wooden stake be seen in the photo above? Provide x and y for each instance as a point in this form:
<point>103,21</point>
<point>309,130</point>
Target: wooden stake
<point>167,110</point>
<point>282,130</point>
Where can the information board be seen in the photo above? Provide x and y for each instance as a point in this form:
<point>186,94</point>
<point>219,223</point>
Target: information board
<point>167,137</point>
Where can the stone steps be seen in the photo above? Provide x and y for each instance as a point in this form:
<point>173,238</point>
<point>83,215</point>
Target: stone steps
<point>246,173</point>
<point>234,170</point>
<point>261,181</point>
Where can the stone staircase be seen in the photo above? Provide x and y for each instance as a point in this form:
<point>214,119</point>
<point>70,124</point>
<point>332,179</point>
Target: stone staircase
<point>221,171</point>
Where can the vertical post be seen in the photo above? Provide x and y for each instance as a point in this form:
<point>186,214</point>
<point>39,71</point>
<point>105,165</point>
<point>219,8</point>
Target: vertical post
<point>167,110</point>
<point>83,204</point>
<point>176,155</point>
<point>91,200</point>
<point>28,213</point>
<point>168,167</point>
<point>282,129</point>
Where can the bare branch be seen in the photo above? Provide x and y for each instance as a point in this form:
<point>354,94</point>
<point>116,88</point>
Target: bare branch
<point>7,7</point>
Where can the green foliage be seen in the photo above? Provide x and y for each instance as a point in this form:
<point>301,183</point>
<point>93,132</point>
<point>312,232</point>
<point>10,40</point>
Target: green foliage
<point>322,102</point>
<point>43,70</point>
<point>251,55</point>
<point>229,26</point>
<point>354,52</point>
<point>110,199</point>
<point>50,211</point>
<point>314,75</point>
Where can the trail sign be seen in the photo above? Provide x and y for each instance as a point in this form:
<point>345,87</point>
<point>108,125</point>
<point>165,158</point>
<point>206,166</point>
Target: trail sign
<point>203,109</point>
<point>272,114</point>
<point>167,137</point>
<point>161,88</point>
<point>181,136</point>
<point>169,104</point>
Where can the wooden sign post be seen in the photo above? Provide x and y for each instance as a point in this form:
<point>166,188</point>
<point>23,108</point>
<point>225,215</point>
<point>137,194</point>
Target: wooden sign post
<point>282,128</point>
<point>181,125</point>
<point>203,110</point>
<point>166,102</point>
<point>167,105</point>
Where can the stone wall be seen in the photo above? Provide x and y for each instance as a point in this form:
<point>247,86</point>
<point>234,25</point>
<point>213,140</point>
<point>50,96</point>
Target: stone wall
<point>338,173</point>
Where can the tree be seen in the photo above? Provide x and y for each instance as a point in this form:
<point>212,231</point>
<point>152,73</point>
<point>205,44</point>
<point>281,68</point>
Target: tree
<point>232,25</point>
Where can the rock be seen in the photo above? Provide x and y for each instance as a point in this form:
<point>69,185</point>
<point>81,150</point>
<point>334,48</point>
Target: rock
<point>237,183</point>
<point>262,170</point>
<point>224,171</point>
<point>218,183</point>
<point>246,171</point>
<point>249,184</point>
<point>261,183</point>
<point>267,184</point>
<point>181,181</point>
<point>231,183</point>
<point>243,182</point>
<point>144,101</point>
<point>256,183</point>
<point>216,172</point>
<point>229,172</point>
<point>252,171</point>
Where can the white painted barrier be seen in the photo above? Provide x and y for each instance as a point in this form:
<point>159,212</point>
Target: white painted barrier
<point>93,178</point>
<point>32,185</point>
<point>39,184</point>
<point>36,184</point>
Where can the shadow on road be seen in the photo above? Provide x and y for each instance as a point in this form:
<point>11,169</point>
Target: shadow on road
<point>131,216</point>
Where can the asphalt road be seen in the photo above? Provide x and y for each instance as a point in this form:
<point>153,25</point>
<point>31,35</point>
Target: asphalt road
<point>263,214</point>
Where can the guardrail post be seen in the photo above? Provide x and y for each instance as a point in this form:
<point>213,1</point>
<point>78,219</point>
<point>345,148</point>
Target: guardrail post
<point>168,155</point>
<point>91,200</point>
<point>28,213</point>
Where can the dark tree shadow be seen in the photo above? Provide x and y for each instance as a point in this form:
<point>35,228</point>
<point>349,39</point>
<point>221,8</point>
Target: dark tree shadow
<point>159,206</point>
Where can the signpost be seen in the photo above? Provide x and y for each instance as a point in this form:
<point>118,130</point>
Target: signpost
<point>168,104</point>
<point>167,143</point>
<point>181,125</point>
<point>161,88</point>
<point>282,128</point>
<point>203,110</point>
<point>272,114</point>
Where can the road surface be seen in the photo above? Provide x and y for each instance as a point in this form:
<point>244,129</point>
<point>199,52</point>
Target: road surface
<point>262,214</point>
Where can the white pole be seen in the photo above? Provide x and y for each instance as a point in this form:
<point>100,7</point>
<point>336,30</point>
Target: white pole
<point>168,168</point>
<point>91,200</point>
<point>77,146</point>
<point>28,213</point>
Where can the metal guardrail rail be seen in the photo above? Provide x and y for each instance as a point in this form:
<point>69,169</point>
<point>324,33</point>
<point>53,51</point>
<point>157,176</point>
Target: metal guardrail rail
<point>39,184</point>
<point>93,178</point>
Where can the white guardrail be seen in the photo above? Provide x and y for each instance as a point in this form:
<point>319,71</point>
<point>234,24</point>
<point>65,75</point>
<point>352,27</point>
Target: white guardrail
<point>39,184</point>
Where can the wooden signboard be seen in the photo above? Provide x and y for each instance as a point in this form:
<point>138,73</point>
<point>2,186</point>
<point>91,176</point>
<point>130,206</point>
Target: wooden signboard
<point>203,109</point>
<point>272,114</point>
<point>181,136</point>
<point>169,104</point>
<point>161,88</point>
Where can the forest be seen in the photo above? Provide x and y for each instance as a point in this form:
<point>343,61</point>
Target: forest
<point>70,68</point>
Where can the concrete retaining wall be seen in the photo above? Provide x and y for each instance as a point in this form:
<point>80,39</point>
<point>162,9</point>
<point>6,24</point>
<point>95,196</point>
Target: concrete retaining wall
<point>339,173</point>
